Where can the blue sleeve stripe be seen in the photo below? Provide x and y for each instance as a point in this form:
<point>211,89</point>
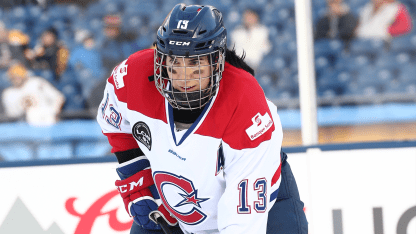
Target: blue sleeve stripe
<point>133,166</point>
<point>274,195</point>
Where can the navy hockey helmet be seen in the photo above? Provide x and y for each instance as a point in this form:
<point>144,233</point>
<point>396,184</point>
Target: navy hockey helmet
<point>189,55</point>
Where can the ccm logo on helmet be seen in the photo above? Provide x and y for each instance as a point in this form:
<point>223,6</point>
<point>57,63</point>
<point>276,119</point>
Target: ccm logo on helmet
<point>179,43</point>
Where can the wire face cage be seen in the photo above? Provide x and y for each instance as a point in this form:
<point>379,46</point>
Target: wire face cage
<point>188,82</point>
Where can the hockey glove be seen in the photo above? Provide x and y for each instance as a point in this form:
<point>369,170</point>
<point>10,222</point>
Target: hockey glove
<point>139,194</point>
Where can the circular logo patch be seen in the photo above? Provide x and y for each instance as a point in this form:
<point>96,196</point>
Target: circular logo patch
<point>141,132</point>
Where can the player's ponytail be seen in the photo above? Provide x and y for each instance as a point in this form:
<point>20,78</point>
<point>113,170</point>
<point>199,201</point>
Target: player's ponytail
<point>232,58</point>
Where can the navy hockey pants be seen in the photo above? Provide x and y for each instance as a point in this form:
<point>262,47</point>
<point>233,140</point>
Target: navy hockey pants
<point>286,215</point>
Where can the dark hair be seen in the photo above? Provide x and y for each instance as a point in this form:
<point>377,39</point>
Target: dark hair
<point>232,58</point>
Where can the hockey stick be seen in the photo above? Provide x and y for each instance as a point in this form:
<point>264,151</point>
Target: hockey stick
<point>163,224</point>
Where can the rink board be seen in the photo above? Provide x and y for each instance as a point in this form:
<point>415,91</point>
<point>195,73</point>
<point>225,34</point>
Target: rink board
<point>360,190</point>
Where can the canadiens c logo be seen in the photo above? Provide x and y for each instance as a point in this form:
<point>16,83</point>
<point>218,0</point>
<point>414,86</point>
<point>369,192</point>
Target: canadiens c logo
<point>182,195</point>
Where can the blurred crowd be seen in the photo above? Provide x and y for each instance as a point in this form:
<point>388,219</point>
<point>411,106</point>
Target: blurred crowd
<point>55,58</point>
<point>52,63</point>
<point>379,19</point>
<point>365,52</point>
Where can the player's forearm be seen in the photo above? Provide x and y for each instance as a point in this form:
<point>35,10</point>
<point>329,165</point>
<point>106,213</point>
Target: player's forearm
<point>124,156</point>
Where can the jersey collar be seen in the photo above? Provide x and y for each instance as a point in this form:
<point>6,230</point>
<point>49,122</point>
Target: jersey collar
<point>193,126</point>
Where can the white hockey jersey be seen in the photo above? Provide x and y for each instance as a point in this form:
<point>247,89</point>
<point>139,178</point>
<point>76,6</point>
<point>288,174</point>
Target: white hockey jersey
<point>222,174</point>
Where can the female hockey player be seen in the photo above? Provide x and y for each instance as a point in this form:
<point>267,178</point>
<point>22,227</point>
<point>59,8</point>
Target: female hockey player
<point>198,143</point>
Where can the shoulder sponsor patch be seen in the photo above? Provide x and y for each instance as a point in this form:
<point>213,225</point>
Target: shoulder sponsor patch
<point>261,123</point>
<point>142,133</point>
<point>118,74</point>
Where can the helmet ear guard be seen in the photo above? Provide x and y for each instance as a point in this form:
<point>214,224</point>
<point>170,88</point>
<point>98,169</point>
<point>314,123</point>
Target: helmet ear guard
<point>190,32</point>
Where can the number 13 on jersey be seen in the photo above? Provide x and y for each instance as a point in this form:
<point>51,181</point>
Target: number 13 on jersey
<point>260,205</point>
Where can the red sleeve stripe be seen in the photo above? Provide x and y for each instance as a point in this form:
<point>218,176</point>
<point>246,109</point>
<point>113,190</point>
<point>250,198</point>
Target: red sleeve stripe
<point>121,142</point>
<point>276,175</point>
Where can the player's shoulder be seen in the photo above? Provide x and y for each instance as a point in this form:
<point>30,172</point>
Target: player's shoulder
<point>239,105</point>
<point>240,84</point>
<point>139,63</point>
<point>142,57</point>
<point>132,73</point>
<point>133,86</point>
